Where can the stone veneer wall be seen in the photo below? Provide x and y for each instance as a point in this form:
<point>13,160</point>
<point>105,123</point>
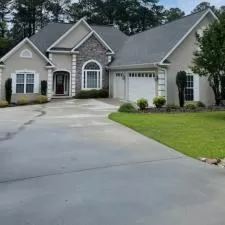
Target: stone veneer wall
<point>92,49</point>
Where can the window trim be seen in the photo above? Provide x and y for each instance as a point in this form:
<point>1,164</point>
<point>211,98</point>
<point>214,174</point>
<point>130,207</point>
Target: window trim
<point>99,75</point>
<point>25,81</point>
<point>26,53</point>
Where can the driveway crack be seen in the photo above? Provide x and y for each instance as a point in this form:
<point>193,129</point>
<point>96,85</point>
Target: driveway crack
<point>11,135</point>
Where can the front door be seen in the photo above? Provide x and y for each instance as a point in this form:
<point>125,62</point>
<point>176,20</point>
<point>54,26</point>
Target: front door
<point>60,84</point>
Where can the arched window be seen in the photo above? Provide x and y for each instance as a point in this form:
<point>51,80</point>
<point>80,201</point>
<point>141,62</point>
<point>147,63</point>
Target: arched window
<point>92,75</point>
<point>26,53</point>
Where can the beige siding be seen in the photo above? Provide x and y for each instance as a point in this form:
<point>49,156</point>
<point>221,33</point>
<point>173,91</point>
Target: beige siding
<point>62,61</point>
<point>15,63</point>
<point>74,37</point>
<point>181,59</point>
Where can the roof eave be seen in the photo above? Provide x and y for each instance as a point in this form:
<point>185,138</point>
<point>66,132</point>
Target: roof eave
<point>135,66</point>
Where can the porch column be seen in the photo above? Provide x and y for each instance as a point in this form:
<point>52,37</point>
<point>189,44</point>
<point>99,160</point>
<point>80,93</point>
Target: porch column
<point>162,83</point>
<point>73,75</point>
<point>0,81</point>
<point>50,83</point>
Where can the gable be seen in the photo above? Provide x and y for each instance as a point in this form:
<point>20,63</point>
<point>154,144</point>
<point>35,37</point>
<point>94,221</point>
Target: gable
<point>92,43</point>
<point>26,51</point>
<point>74,37</point>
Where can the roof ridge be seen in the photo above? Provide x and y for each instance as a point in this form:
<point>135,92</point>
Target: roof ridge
<point>161,25</point>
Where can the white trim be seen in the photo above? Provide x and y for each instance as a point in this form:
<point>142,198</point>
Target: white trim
<point>186,35</point>
<point>24,52</point>
<point>68,32</point>
<point>26,40</point>
<point>98,37</point>
<point>50,84</point>
<point>1,70</point>
<point>134,66</point>
<point>100,77</point>
<point>50,56</point>
<point>73,75</point>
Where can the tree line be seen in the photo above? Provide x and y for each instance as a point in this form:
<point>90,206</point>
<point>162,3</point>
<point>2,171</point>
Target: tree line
<point>23,18</point>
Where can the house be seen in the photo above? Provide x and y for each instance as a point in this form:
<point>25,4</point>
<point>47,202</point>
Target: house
<point>82,57</point>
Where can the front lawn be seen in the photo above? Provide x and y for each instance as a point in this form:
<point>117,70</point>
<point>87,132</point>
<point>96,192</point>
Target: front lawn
<point>194,134</point>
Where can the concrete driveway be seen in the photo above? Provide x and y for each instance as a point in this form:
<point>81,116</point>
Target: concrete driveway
<point>65,163</point>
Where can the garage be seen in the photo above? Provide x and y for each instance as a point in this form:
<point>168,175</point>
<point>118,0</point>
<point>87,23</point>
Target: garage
<point>142,85</point>
<point>135,85</point>
<point>119,86</point>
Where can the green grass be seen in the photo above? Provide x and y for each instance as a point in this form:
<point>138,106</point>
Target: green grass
<point>193,134</point>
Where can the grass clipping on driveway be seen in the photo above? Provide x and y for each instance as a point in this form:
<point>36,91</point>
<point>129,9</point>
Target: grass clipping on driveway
<point>193,134</point>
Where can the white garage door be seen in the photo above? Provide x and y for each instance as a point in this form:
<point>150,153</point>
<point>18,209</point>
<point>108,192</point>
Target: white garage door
<point>142,85</point>
<point>119,86</point>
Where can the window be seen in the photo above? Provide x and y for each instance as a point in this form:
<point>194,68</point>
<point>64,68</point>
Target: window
<point>149,75</point>
<point>24,83</point>
<point>189,91</point>
<point>26,54</point>
<point>92,76</point>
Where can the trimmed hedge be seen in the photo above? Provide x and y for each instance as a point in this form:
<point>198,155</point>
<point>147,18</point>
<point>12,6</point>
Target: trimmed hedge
<point>3,104</point>
<point>102,93</point>
<point>24,100</point>
<point>41,99</point>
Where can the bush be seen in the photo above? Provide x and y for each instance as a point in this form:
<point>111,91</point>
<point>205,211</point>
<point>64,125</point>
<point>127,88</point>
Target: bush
<point>128,108</point>
<point>159,101</point>
<point>102,93</point>
<point>3,103</point>
<point>41,99</point>
<point>8,90</point>
<point>200,104</point>
<point>190,106</point>
<point>44,87</point>
<point>142,103</point>
<point>171,106</point>
<point>23,100</point>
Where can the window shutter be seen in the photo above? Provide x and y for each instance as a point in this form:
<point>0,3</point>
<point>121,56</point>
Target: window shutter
<point>36,83</point>
<point>196,88</point>
<point>13,76</point>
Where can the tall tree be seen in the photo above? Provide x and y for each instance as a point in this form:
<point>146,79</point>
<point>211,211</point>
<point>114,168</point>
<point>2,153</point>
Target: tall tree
<point>4,12</point>
<point>58,9</point>
<point>209,60</point>
<point>173,14</point>
<point>203,6</point>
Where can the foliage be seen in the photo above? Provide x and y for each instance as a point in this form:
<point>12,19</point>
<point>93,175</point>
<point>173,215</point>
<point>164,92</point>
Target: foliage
<point>23,100</point>
<point>44,87</point>
<point>181,81</point>
<point>127,108</point>
<point>142,103</point>
<point>41,99</point>
<point>172,106</point>
<point>200,104</point>
<point>102,93</point>
<point>3,103</point>
<point>190,106</point>
<point>194,134</point>
<point>8,90</point>
<point>222,87</point>
<point>159,101</point>
<point>209,59</point>
<point>173,14</point>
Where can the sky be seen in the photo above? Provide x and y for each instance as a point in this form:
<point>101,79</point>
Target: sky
<point>188,5</point>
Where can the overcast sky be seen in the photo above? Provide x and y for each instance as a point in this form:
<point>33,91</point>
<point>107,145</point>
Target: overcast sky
<point>188,5</point>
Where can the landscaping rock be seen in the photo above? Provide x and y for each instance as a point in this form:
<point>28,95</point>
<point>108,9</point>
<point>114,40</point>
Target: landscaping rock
<point>213,161</point>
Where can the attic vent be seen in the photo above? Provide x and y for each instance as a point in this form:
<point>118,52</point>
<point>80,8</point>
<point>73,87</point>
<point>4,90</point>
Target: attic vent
<point>26,54</point>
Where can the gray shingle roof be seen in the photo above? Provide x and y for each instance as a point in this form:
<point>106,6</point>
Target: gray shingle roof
<point>49,34</point>
<point>153,45</point>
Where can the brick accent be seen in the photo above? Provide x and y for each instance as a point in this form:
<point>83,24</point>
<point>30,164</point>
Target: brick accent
<point>92,49</point>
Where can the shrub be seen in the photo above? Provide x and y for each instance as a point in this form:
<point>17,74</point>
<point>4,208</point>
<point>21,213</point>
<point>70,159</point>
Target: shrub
<point>159,101</point>
<point>44,87</point>
<point>181,81</point>
<point>142,103</point>
<point>102,93</point>
<point>190,106</point>
<point>200,104</point>
<point>128,108</point>
<point>3,103</point>
<point>8,90</point>
<point>172,106</point>
<point>41,99</point>
<point>23,100</point>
